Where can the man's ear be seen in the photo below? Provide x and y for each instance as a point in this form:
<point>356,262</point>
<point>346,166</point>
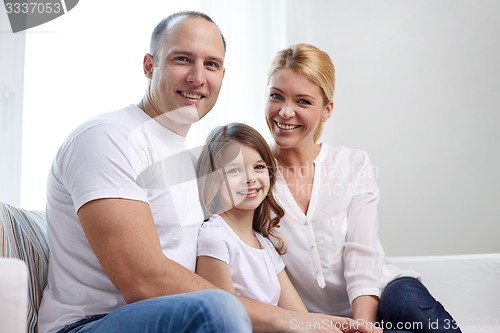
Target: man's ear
<point>327,111</point>
<point>148,64</point>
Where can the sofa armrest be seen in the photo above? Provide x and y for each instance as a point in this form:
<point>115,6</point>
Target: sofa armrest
<point>467,285</point>
<point>13,295</point>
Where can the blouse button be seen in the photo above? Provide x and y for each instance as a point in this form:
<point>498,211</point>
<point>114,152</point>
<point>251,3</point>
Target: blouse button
<point>306,222</point>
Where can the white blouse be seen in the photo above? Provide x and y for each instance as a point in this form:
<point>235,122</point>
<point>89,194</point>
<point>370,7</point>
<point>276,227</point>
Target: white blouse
<point>333,252</point>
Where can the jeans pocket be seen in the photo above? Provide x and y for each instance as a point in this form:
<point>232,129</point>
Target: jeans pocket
<point>71,327</point>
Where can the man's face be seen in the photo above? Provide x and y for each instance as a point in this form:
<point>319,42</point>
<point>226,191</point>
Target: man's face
<point>188,67</point>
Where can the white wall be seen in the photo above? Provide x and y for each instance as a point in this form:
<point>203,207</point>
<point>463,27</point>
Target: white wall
<point>417,86</point>
<point>11,106</point>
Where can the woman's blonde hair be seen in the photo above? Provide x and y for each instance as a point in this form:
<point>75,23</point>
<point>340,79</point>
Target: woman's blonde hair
<point>311,62</point>
<point>217,152</point>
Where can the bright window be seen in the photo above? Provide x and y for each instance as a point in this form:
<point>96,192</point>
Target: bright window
<point>89,61</point>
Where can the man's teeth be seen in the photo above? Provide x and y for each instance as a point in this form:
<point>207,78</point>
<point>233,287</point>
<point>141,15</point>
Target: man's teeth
<point>190,95</point>
<point>286,126</point>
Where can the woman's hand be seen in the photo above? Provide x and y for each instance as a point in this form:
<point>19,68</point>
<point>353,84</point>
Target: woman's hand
<point>319,323</point>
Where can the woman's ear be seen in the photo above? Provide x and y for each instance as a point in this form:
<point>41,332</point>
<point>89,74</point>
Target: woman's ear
<point>327,111</point>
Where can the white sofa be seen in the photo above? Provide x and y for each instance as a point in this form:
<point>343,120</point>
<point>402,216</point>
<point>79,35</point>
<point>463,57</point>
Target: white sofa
<point>13,295</point>
<point>468,285</point>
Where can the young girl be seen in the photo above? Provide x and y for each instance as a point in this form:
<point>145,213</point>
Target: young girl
<point>236,174</point>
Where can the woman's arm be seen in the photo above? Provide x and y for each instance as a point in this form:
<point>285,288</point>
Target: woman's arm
<point>364,310</point>
<point>289,297</point>
<point>363,254</point>
<point>215,271</point>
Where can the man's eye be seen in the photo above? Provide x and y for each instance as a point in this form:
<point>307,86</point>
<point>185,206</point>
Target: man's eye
<point>181,58</point>
<point>212,64</point>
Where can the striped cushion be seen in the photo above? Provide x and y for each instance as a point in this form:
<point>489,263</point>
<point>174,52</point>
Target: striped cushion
<point>23,235</point>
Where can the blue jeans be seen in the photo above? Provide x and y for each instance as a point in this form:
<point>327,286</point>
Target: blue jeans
<point>208,311</point>
<point>407,306</point>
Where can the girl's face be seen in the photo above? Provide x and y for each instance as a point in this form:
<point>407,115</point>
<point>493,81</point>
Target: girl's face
<point>246,180</point>
<point>294,109</point>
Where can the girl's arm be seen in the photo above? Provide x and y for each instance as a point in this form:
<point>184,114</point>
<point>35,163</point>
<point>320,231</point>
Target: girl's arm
<point>215,271</point>
<point>289,297</point>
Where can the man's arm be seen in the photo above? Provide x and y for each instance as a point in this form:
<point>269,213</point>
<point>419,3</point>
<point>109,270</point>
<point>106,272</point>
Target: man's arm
<point>123,237</point>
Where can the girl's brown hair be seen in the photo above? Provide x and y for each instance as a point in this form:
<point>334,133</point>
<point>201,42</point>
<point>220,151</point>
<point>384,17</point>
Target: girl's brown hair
<point>210,177</point>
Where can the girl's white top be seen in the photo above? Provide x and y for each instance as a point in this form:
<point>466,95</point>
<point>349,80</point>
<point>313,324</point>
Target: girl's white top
<point>254,271</point>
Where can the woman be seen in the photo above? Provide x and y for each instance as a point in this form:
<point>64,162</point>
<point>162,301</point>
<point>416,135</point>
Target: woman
<point>330,198</point>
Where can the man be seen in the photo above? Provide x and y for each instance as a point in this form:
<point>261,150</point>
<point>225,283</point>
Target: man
<point>123,216</point>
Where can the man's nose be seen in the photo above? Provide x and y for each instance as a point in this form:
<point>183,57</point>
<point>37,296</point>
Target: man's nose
<point>196,75</point>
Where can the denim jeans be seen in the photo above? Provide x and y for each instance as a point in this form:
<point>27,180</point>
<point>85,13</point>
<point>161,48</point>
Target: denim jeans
<point>209,311</point>
<point>407,306</point>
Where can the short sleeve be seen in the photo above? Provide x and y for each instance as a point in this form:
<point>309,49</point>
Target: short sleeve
<point>211,241</point>
<point>97,165</point>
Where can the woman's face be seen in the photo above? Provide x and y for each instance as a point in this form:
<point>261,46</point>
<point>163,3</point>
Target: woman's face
<point>294,109</point>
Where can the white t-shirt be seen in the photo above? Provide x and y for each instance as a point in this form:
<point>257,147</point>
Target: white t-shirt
<point>333,252</point>
<point>254,271</point>
<point>121,154</point>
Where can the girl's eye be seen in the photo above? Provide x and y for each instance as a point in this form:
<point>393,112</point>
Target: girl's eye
<point>276,96</point>
<point>233,170</point>
<point>304,102</point>
<point>260,167</point>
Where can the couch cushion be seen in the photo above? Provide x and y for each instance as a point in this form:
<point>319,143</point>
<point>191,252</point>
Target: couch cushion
<point>23,235</point>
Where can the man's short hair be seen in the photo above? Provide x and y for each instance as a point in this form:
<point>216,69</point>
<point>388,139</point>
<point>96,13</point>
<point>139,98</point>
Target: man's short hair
<point>163,25</point>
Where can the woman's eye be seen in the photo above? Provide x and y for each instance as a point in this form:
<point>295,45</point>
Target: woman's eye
<point>304,102</point>
<point>276,96</point>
